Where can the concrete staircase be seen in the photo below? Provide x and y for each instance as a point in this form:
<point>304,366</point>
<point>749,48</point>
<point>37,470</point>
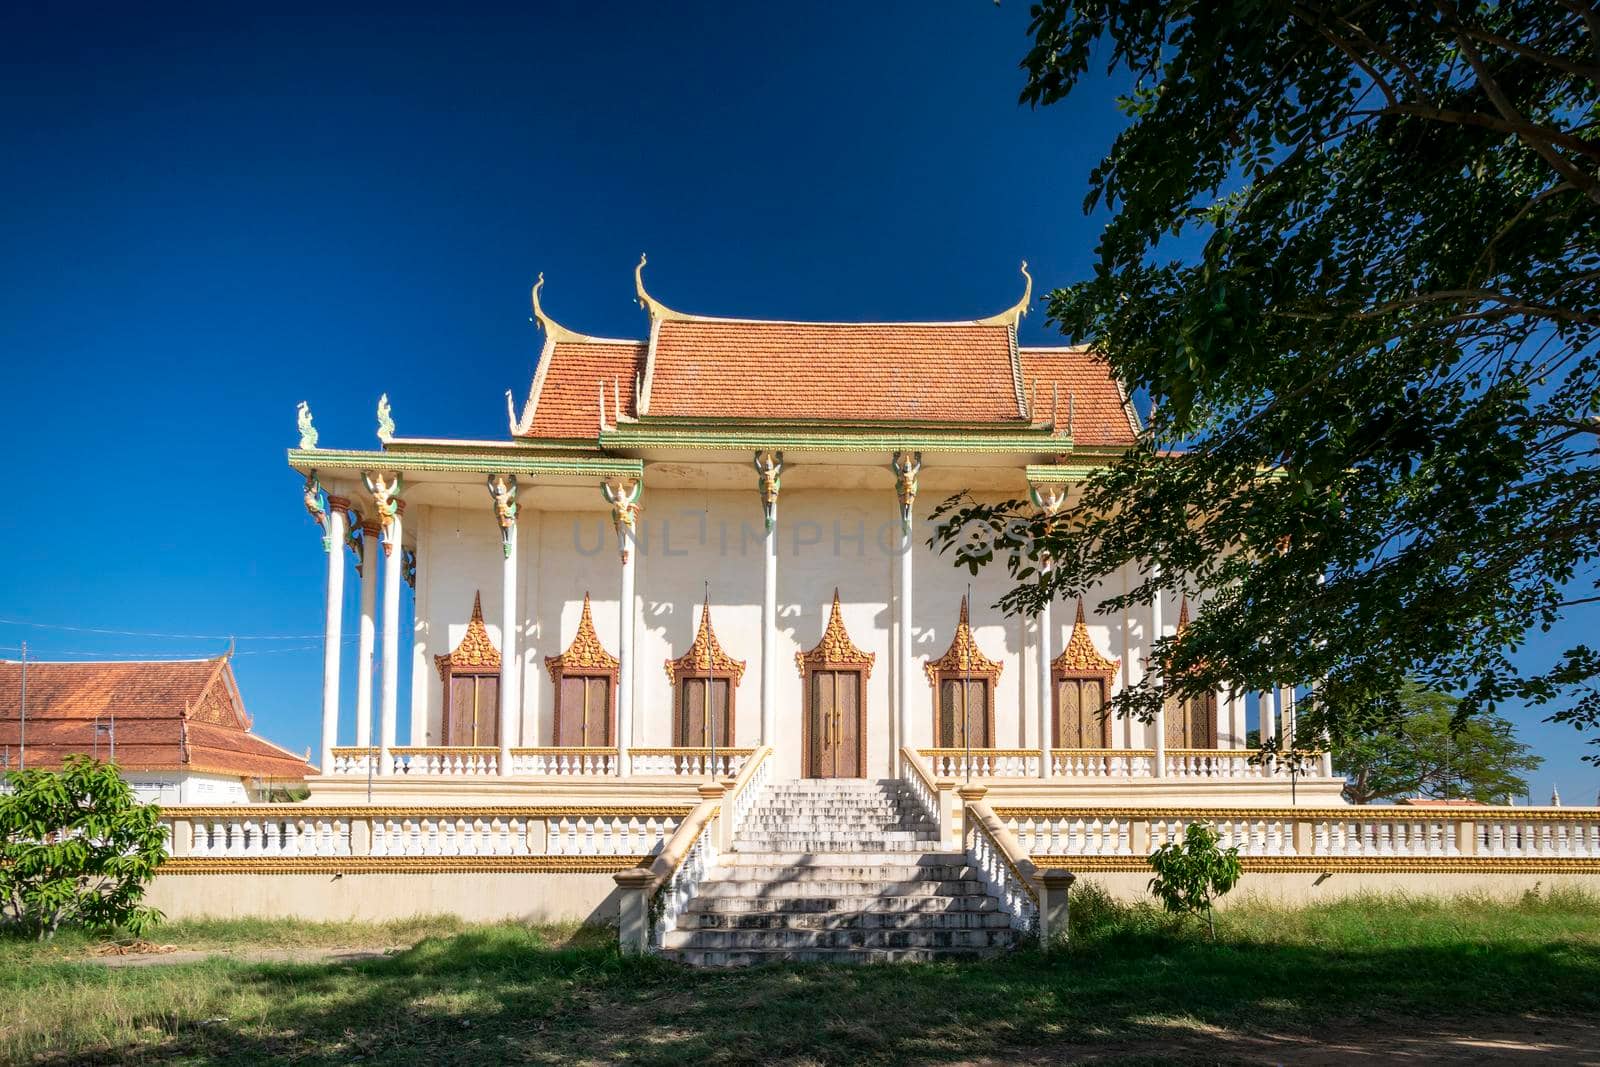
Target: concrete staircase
<point>840,871</point>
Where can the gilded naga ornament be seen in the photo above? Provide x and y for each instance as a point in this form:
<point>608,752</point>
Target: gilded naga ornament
<point>308,432</point>
<point>317,505</point>
<point>769,475</point>
<point>503,491</point>
<point>385,420</point>
<point>907,465</point>
<point>623,496</point>
<point>386,500</point>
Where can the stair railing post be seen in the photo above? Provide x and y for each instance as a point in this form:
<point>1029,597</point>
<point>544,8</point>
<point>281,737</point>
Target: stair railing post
<point>633,909</point>
<point>1054,909</point>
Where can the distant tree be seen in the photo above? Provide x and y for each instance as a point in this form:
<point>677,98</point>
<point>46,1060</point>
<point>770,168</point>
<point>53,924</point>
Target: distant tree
<point>1430,754</point>
<point>1191,874</point>
<point>1354,260</point>
<point>76,847</point>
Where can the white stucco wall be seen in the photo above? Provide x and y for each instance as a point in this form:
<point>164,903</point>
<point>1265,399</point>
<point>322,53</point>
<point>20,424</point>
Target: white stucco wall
<point>844,538</point>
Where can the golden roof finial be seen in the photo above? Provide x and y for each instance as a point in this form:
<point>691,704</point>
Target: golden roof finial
<point>1011,315</point>
<point>655,308</point>
<point>1183,613</point>
<point>553,329</point>
<point>963,654</point>
<point>705,654</point>
<point>475,649</point>
<point>586,651</point>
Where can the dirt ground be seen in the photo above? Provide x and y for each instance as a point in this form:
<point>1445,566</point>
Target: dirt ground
<point>1512,1039</point>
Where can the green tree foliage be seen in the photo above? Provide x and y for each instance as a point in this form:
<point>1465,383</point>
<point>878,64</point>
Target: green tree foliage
<point>1354,261</point>
<point>1431,755</point>
<point>1191,874</point>
<point>76,847</point>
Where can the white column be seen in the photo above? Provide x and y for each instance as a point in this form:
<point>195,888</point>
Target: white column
<point>1269,728</point>
<point>1045,683</point>
<point>333,628</point>
<point>769,468</point>
<point>393,563</point>
<point>369,631</point>
<point>1286,709</point>
<point>906,465</point>
<point>510,693</point>
<point>623,495</point>
<point>1161,711</point>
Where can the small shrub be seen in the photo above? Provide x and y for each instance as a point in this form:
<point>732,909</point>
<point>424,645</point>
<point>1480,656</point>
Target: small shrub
<point>76,847</point>
<point>1193,873</point>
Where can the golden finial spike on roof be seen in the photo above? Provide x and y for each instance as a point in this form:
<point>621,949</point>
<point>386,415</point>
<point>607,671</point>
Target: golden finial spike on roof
<point>1081,657</point>
<point>1011,315</point>
<point>1183,614</point>
<point>553,329</point>
<point>655,308</point>
<point>964,621</point>
<point>705,654</point>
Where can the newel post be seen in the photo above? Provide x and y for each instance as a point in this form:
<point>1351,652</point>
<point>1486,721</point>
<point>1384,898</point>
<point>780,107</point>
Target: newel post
<point>633,909</point>
<point>1054,910</point>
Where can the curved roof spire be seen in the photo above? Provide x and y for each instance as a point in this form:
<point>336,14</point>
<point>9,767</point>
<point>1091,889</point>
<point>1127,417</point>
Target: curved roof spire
<point>655,308</point>
<point>553,329</point>
<point>1011,315</point>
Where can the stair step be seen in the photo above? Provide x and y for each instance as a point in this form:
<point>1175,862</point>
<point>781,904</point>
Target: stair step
<point>843,957</point>
<point>756,858</point>
<point>850,887</point>
<point>846,872</point>
<point>788,938</point>
<point>749,905</point>
<point>844,920</point>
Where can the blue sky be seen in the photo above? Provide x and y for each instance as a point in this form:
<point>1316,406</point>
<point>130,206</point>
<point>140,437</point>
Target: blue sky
<point>205,218</point>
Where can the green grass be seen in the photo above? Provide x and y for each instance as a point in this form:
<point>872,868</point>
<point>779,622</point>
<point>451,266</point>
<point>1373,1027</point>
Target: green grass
<point>544,994</point>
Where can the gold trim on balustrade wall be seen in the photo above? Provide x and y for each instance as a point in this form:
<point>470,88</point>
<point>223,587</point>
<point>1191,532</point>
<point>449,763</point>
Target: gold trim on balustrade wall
<point>1348,864</point>
<point>352,811</point>
<point>1353,813</point>
<point>400,864</point>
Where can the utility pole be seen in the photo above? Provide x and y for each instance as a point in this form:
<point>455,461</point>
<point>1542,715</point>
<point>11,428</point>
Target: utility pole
<point>22,715</point>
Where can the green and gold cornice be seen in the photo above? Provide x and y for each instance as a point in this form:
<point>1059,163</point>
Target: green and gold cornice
<point>832,437</point>
<point>451,459</point>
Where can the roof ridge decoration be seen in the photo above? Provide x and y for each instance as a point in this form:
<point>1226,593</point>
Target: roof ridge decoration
<point>963,656</point>
<point>1080,656</point>
<point>835,649</point>
<point>585,650</point>
<point>475,649</point>
<point>1013,314</point>
<point>705,654</point>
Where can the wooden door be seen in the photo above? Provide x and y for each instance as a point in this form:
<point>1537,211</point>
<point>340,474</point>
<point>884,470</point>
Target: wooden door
<point>1078,722</point>
<point>700,708</point>
<point>835,726</point>
<point>968,699</point>
<point>486,711</point>
<point>461,719</point>
<point>583,718</point>
<point>1193,724</point>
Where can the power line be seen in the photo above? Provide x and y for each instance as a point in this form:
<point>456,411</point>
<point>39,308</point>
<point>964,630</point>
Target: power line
<point>152,633</point>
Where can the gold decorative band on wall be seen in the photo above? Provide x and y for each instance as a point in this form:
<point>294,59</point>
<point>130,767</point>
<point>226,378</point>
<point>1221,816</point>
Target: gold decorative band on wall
<point>1352,813</point>
<point>400,864</point>
<point>250,812</point>
<point>1348,864</point>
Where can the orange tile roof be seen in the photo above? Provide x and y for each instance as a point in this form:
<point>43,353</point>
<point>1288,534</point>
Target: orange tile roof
<point>170,716</point>
<point>567,404</point>
<point>1100,412</point>
<point>709,368</point>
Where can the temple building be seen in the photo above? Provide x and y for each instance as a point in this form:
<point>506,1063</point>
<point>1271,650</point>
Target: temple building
<point>177,729</point>
<point>714,536</point>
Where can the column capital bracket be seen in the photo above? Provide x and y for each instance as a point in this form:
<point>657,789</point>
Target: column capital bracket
<point>769,478</point>
<point>503,491</point>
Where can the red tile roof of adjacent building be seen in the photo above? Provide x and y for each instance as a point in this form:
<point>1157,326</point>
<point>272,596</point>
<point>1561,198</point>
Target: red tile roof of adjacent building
<point>182,715</point>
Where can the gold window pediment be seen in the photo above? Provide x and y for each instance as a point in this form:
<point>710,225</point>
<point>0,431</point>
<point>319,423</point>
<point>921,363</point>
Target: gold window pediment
<point>705,655</point>
<point>476,652</point>
<point>585,653</point>
<point>835,649</point>
<point>963,656</point>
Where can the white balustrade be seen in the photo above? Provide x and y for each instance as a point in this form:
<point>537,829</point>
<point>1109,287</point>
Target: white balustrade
<point>999,877</point>
<point>675,894</point>
<point>564,762</point>
<point>689,762</point>
<point>986,762</point>
<point>1213,763</point>
<point>1065,834</point>
<point>745,798</point>
<point>454,834</point>
<point>608,835</point>
<point>1541,839</point>
<point>1102,762</point>
<point>248,836</point>
<point>355,762</point>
